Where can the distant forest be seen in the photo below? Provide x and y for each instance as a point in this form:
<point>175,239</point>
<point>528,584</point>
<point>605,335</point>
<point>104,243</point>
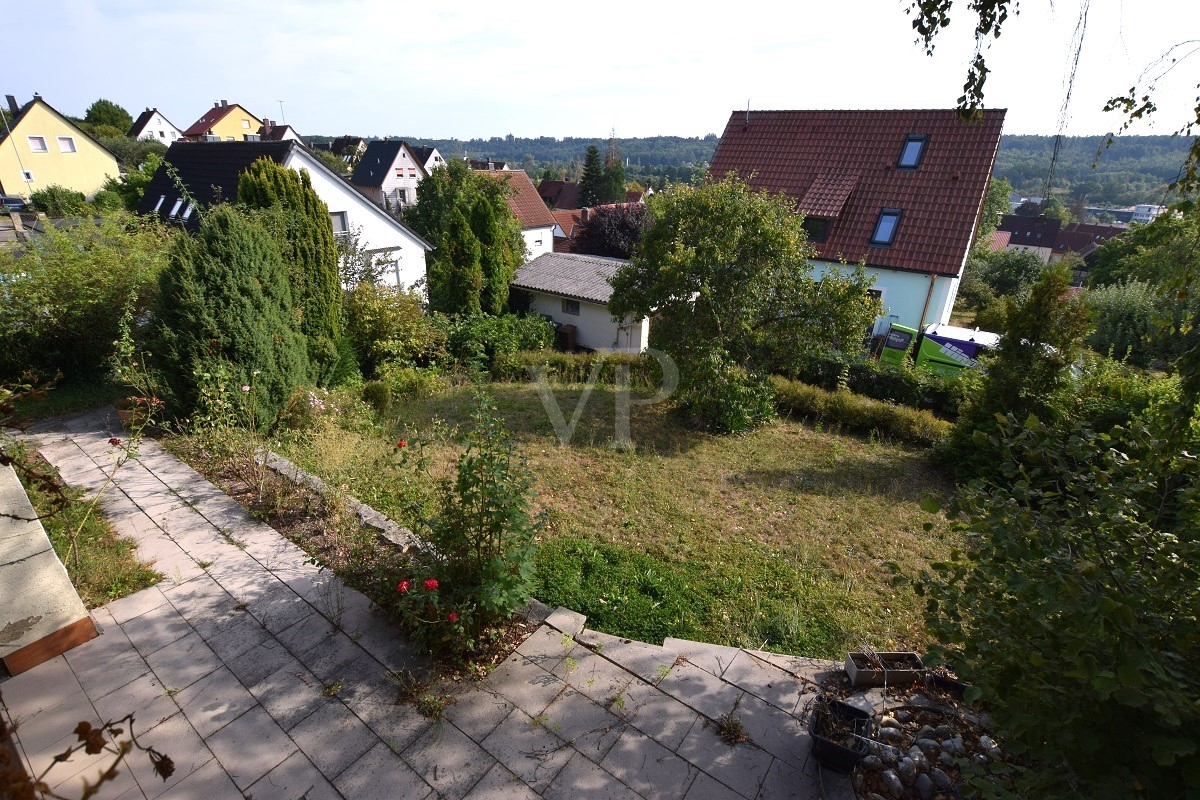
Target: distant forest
<point>1135,169</point>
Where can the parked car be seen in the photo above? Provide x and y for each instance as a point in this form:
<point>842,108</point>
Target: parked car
<point>12,203</point>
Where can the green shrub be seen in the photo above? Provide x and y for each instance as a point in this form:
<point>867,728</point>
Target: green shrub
<point>386,323</point>
<point>1110,393</point>
<point>1124,315</point>
<point>106,201</point>
<point>63,296</point>
<point>644,371</point>
<point>860,414</point>
<point>904,385</point>
<point>378,394</point>
<point>474,342</point>
<point>722,397</point>
<point>226,304</point>
<point>412,382</point>
<point>59,201</point>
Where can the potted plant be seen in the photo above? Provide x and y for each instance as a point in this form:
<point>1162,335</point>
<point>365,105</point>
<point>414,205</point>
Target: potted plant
<point>838,733</point>
<point>945,680</point>
<point>879,669</point>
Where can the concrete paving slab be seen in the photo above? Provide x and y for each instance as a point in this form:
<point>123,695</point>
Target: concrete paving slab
<point>546,647</point>
<point>705,787</point>
<point>765,680</point>
<point>448,760</point>
<point>382,775</point>
<point>500,784</point>
<point>651,769</point>
<point>156,628</point>
<point>240,636</point>
<point>136,604</point>
<point>145,697</point>
<point>260,661</point>
<point>396,725</point>
<point>183,662</point>
<point>649,662</point>
<point>594,675</point>
<point>477,712</point>
<point>174,738</point>
<point>581,779</point>
<point>702,691</point>
<point>39,689</point>
<point>214,701</point>
<point>527,686</point>
<point>588,727</point>
<point>42,730</point>
<point>779,733</point>
<point>741,767</point>
<point>294,779</point>
<point>209,782</point>
<point>529,749</point>
<point>712,658</point>
<point>333,738</point>
<point>291,694</point>
<point>659,716</point>
<point>250,746</point>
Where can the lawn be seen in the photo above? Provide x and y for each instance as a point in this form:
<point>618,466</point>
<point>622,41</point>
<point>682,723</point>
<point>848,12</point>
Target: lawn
<point>777,539</point>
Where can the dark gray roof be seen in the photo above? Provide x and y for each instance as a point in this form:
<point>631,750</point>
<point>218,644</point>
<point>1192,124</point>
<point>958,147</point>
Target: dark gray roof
<point>376,162</point>
<point>422,152</point>
<point>569,275</point>
<point>209,170</point>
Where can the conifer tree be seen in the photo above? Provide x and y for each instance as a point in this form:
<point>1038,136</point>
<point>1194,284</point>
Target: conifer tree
<point>300,222</point>
<point>614,175</point>
<point>591,184</point>
<point>455,272</point>
<point>226,306</point>
<point>497,260</point>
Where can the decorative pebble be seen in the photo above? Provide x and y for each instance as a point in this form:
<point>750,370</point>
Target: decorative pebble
<point>943,731</point>
<point>945,759</point>
<point>890,735</point>
<point>926,732</point>
<point>907,770</point>
<point>990,747</point>
<point>941,780</point>
<point>928,746</point>
<point>958,746</point>
<point>918,758</point>
<point>857,780</point>
<point>892,781</point>
<point>903,716</point>
<point>873,796</point>
<point>889,755</point>
<point>980,759</point>
<point>924,787</point>
<point>889,722</point>
<point>872,763</point>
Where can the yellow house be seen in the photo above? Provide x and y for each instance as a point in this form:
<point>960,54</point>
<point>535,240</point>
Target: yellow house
<point>39,147</point>
<point>228,122</point>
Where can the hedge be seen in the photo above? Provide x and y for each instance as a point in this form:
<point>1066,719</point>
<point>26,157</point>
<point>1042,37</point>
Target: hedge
<point>644,371</point>
<point>854,412</point>
<point>905,386</point>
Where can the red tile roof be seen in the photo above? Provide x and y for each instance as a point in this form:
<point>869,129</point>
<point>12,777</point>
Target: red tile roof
<point>210,118</point>
<point>559,194</point>
<point>526,204</point>
<point>819,152</point>
<point>568,219</point>
<point>1000,240</point>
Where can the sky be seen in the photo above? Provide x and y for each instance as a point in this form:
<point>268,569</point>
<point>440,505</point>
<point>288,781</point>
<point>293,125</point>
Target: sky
<point>380,67</point>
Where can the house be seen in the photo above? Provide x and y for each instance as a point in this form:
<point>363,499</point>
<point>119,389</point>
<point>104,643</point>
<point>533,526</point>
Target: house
<point>574,290</point>
<point>389,173</point>
<point>40,148</point>
<point>224,122</point>
<point>567,222</point>
<point>1144,214</point>
<point>210,175</point>
<point>1035,235</point>
<point>271,132</point>
<point>560,194</point>
<point>901,191</point>
<point>536,221</point>
<point>429,157</point>
<point>488,165</point>
<point>348,148</point>
<point>152,124</point>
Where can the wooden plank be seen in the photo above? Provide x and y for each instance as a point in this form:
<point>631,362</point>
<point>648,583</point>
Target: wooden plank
<point>48,647</point>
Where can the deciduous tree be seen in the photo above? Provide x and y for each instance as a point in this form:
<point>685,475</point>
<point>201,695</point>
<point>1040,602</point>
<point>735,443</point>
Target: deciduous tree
<point>106,112</point>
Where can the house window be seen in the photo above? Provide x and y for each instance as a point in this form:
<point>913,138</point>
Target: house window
<point>913,152</point>
<point>885,227</point>
<point>38,144</point>
<point>27,176</point>
<point>187,212</point>
<point>817,229</point>
<point>162,134</point>
<point>570,307</point>
<point>175,208</point>
<point>246,124</point>
<point>66,144</point>
<point>338,218</point>
<point>161,199</point>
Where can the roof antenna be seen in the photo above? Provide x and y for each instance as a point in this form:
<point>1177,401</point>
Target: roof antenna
<point>281,114</point>
<point>747,110</point>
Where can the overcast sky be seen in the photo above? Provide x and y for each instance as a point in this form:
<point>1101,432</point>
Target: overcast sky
<point>378,67</point>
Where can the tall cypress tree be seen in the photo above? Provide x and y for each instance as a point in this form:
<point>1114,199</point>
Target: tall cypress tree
<point>225,302</point>
<point>614,175</point>
<point>455,272</point>
<point>305,237</point>
<point>591,184</point>
<point>497,260</point>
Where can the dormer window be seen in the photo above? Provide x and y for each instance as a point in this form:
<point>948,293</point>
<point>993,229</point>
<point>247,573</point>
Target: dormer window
<point>885,227</point>
<point>817,229</point>
<point>913,152</point>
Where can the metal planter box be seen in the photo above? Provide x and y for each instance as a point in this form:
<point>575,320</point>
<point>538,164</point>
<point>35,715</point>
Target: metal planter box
<point>871,674</point>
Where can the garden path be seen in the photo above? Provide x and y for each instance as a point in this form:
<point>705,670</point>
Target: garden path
<point>264,677</point>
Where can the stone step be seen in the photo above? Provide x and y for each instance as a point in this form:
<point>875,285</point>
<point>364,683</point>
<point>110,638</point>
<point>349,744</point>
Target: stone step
<point>649,662</point>
<point>712,658</point>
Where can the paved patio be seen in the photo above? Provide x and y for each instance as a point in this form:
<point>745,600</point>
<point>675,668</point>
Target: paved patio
<point>264,677</point>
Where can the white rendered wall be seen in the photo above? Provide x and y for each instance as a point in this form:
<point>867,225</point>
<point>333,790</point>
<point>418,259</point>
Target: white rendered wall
<point>538,242</point>
<point>594,325</point>
<point>904,295</point>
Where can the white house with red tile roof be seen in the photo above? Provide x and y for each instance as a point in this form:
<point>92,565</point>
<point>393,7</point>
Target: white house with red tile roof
<point>537,223</point>
<point>902,191</point>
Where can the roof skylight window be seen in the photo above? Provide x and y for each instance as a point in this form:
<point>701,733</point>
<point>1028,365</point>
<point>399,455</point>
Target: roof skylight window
<point>913,152</point>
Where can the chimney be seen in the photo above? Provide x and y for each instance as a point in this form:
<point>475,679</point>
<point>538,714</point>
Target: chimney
<point>12,104</point>
<point>216,104</point>
<point>491,165</point>
<point>224,104</point>
<point>583,214</point>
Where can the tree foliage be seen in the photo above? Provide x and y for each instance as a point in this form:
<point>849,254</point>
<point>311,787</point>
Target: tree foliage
<point>477,241</point>
<point>106,112</point>
<point>131,186</point>
<point>592,184</point>
<point>58,201</point>
<point>724,270</point>
<point>225,306</point>
<point>304,235</point>
<point>134,153</point>
<point>613,231</point>
<point>64,296</point>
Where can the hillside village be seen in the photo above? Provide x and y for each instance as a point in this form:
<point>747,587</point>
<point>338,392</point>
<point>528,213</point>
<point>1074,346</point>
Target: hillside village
<point>330,455</point>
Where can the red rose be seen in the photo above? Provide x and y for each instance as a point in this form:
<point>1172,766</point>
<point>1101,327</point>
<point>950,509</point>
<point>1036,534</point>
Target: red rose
<point>402,587</point>
<point>431,585</point>
<point>401,443</point>
<point>452,617</point>
<point>115,442</point>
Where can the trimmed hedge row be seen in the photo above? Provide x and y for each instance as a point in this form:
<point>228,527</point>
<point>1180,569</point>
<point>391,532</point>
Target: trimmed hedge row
<point>644,371</point>
<point>902,386</point>
<point>853,412</point>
